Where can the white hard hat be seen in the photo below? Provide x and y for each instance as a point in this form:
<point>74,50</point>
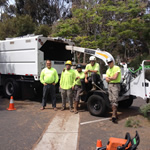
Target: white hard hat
<point>92,58</point>
<point>109,59</point>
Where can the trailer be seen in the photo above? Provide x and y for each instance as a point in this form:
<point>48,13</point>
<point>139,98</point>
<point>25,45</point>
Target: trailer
<point>134,84</point>
<point>23,58</point>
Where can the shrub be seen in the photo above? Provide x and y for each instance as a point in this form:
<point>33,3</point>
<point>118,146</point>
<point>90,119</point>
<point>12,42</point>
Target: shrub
<point>145,109</point>
<point>132,123</point>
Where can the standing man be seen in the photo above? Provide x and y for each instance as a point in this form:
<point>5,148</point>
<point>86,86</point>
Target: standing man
<point>66,85</point>
<point>92,74</point>
<point>113,77</point>
<point>49,77</point>
<point>79,74</point>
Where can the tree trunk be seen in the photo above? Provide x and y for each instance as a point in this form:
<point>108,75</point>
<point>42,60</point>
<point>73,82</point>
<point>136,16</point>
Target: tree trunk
<point>84,59</point>
<point>148,46</point>
<point>78,57</point>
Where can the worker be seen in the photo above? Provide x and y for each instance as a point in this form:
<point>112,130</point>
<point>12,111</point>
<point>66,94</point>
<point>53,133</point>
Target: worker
<point>66,85</point>
<point>92,75</point>
<point>49,78</point>
<point>79,74</point>
<point>113,77</point>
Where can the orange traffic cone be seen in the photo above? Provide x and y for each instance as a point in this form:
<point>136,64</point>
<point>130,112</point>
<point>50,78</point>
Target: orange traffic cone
<point>11,104</point>
<point>99,144</point>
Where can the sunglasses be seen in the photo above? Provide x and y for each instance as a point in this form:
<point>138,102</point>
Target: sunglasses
<point>109,62</point>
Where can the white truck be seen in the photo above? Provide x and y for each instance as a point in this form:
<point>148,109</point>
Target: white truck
<point>23,58</point>
<point>134,84</point>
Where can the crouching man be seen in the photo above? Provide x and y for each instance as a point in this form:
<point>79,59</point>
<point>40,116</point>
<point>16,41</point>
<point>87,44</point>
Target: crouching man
<point>113,77</point>
<point>92,75</point>
<point>79,74</point>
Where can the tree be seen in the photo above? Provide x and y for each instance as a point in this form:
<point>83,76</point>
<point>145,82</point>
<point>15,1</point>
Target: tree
<point>43,11</point>
<point>44,30</point>
<point>111,25</point>
<point>3,5</point>
<point>16,26</point>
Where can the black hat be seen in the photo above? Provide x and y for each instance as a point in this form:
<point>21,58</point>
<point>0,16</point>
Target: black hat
<point>79,66</point>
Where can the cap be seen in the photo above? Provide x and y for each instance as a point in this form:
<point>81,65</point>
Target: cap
<point>79,66</point>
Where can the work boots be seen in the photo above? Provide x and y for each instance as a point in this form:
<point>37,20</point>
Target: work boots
<point>94,88</point>
<point>76,107</point>
<point>114,114</point>
<point>71,109</point>
<point>83,93</point>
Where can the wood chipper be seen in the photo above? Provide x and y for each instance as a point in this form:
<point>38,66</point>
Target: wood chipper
<point>134,84</point>
<point>120,144</point>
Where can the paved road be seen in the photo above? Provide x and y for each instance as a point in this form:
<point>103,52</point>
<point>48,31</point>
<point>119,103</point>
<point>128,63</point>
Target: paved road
<point>24,128</point>
<point>20,129</point>
<point>103,129</point>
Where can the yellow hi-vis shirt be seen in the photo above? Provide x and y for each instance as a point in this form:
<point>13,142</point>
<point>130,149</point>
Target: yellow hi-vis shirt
<point>112,71</point>
<point>49,76</point>
<point>90,67</point>
<point>79,74</point>
<point>67,79</point>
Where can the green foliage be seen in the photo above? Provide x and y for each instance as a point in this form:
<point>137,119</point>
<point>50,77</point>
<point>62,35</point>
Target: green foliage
<point>67,28</point>
<point>16,26</point>
<point>23,25</point>
<point>136,62</point>
<point>120,27</point>
<point>44,30</point>
<point>145,109</point>
<point>41,11</point>
<point>132,123</point>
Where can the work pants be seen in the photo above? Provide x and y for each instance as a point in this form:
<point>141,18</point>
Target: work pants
<point>113,90</point>
<point>67,94</point>
<point>49,89</point>
<point>77,91</point>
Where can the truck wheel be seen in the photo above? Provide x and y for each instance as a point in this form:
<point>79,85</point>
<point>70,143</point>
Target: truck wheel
<point>126,103</point>
<point>96,105</point>
<point>11,88</point>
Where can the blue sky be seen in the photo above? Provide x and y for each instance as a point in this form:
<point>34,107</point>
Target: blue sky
<point>11,1</point>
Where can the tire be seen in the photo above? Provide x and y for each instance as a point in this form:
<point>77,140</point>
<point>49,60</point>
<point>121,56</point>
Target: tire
<point>96,105</point>
<point>126,103</point>
<point>11,88</point>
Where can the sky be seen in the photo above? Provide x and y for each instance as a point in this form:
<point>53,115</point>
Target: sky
<point>11,2</point>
